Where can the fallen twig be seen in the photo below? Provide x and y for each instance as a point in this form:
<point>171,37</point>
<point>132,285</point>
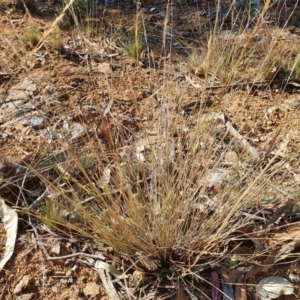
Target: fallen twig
<point>3,291</point>
<point>107,284</point>
<point>251,150</point>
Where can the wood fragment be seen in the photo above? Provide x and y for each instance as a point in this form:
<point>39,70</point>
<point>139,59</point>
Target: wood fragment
<point>245,144</point>
<point>107,284</point>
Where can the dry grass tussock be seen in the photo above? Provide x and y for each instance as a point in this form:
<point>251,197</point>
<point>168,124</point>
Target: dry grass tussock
<point>172,203</point>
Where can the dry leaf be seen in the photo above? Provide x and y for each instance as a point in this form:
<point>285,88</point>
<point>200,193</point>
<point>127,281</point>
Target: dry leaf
<point>273,287</point>
<point>10,220</point>
<point>55,249</point>
<point>215,286</point>
<point>22,284</point>
<point>104,179</point>
<point>105,266</point>
<point>227,288</point>
<point>189,80</point>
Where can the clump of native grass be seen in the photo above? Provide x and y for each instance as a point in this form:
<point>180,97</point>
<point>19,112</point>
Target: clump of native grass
<point>252,53</point>
<point>133,43</point>
<point>78,12</point>
<point>32,37</point>
<point>223,57</point>
<point>168,204</point>
<point>133,40</point>
<point>296,68</point>
<point>277,56</point>
<point>55,40</point>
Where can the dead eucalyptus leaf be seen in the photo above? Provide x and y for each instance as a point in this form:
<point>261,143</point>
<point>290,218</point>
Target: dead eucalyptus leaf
<point>104,179</point>
<point>22,284</point>
<point>274,287</point>
<point>227,288</point>
<point>190,81</point>
<point>9,218</point>
<point>272,73</point>
<point>105,266</point>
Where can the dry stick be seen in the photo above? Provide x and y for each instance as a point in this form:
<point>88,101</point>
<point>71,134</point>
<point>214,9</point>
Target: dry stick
<point>42,246</point>
<point>251,150</point>
<point>40,199</point>
<point>125,287</point>
<point>73,255</point>
<point>27,10</point>
<point>146,42</point>
<point>107,284</point>
<point>3,291</point>
<point>166,21</point>
<point>283,192</point>
<point>263,83</point>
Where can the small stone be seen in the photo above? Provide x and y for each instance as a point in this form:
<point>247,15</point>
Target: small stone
<point>104,67</point>
<point>37,122</point>
<point>55,249</point>
<point>75,130</point>
<point>294,278</point>
<point>217,176</point>
<point>50,89</point>
<point>70,281</point>
<point>231,157</point>
<point>34,64</point>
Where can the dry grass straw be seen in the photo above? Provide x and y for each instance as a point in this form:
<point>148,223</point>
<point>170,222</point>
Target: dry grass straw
<point>256,48</point>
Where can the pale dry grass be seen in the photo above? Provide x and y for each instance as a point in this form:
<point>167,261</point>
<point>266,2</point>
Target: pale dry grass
<point>249,54</point>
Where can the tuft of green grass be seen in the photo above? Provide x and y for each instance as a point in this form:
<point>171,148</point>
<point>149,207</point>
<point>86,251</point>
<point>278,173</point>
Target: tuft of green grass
<point>196,62</point>
<point>296,68</point>
<point>32,37</point>
<point>133,43</point>
<point>78,12</point>
<point>56,41</point>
